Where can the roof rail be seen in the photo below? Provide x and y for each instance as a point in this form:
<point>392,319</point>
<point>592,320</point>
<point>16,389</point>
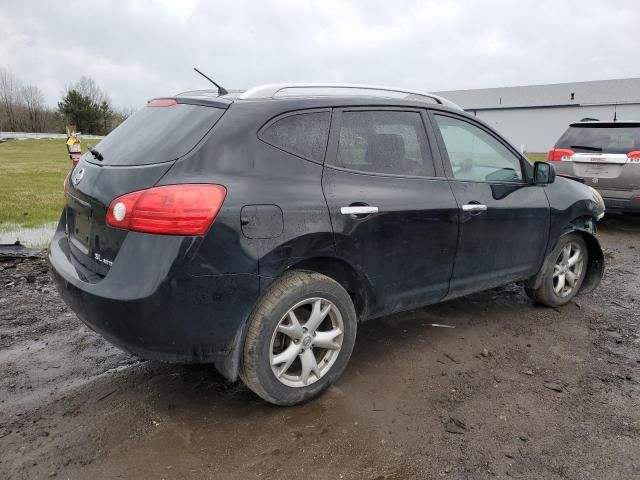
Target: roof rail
<point>279,90</point>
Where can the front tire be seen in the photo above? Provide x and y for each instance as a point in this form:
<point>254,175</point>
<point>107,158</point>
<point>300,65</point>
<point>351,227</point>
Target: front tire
<point>563,277</point>
<point>299,339</point>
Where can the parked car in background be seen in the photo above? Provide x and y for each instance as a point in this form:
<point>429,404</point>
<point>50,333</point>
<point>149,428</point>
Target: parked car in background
<point>256,231</point>
<point>606,155</point>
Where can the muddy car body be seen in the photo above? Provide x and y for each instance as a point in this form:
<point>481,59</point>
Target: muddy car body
<point>323,209</point>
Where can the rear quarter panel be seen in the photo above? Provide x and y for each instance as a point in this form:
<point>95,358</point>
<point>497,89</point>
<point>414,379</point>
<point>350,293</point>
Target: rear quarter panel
<point>257,174</point>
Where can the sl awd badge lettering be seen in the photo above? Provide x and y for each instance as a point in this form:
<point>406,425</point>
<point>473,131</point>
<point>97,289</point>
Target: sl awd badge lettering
<point>99,258</point>
<point>78,177</point>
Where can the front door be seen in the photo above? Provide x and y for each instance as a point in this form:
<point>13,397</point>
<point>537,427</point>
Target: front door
<point>394,216</point>
<point>504,220</point>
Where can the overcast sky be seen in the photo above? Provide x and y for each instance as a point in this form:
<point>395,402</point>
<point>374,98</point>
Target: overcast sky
<point>138,49</point>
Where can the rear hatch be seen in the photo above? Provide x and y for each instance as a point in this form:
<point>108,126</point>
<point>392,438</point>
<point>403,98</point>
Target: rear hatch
<point>133,157</point>
<point>606,154</point>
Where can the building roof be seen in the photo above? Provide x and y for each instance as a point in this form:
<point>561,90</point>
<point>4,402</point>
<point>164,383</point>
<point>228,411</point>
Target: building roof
<point>599,92</point>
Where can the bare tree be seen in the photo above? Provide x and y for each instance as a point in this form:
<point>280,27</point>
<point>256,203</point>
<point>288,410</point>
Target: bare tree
<point>23,107</point>
<point>33,101</point>
<point>87,86</point>
<point>10,98</point>
<point>126,112</point>
<point>120,115</point>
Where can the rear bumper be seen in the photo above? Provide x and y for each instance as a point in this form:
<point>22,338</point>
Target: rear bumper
<point>621,200</point>
<point>149,306</point>
<point>623,197</point>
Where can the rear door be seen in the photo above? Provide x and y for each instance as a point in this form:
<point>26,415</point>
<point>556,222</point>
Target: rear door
<point>393,213</point>
<point>504,220</point>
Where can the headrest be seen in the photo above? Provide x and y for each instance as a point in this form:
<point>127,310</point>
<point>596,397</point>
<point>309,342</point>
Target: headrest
<point>384,150</point>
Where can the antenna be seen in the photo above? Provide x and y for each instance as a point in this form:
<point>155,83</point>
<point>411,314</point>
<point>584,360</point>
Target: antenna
<point>615,112</point>
<point>221,90</point>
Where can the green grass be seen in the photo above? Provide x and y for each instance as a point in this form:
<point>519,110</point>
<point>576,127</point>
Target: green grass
<point>31,177</point>
<point>536,157</point>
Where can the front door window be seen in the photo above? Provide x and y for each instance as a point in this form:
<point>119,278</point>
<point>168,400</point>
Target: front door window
<point>475,155</point>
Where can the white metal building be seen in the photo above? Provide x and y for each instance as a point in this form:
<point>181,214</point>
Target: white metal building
<point>533,117</point>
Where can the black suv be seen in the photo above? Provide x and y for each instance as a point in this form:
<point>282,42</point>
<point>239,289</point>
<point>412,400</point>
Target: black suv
<point>255,231</point>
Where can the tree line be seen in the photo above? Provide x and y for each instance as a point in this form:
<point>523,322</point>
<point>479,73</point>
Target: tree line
<point>83,104</point>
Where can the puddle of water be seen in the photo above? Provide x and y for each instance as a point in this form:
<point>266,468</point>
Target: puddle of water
<point>36,237</point>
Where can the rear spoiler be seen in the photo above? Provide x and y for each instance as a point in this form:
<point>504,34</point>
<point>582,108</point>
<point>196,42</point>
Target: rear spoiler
<point>198,97</point>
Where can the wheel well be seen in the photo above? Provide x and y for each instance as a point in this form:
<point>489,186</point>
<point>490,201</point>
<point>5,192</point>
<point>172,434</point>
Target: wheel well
<point>344,274</point>
<point>338,270</point>
<point>583,226</point>
<point>595,265</point>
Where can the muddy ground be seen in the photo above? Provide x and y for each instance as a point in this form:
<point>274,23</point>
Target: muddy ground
<point>515,390</point>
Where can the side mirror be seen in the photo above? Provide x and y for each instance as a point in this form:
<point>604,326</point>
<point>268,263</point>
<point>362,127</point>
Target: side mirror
<point>543,173</point>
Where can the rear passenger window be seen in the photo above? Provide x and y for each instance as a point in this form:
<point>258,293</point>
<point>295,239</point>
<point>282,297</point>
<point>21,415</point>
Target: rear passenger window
<point>303,134</point>
<point>388,142</point>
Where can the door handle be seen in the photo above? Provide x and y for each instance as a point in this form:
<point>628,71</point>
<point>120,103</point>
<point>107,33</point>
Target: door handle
<point>358,210</point>
<point>474,207</point>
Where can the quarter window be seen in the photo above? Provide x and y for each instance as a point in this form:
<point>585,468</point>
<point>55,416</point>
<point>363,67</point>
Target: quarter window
<point>475,155</point>
<point>304,134</point>
<point>389,142</point>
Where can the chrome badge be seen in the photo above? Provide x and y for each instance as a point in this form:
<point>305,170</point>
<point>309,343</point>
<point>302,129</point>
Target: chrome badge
<point>78,177</point>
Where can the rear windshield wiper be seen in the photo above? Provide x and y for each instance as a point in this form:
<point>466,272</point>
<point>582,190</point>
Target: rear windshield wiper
<point>586,147</point>
<point>96,154</point>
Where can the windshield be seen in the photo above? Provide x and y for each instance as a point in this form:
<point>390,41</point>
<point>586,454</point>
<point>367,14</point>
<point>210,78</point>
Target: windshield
<point>607,138</point>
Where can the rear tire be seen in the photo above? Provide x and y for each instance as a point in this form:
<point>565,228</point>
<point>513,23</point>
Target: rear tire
<point>563,277</point>
<point>299,339</point>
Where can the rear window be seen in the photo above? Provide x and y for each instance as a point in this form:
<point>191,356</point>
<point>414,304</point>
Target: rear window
<point>302,134</point>
<point>157,134</point>
<point>389,142</point>
<point>608,138</point>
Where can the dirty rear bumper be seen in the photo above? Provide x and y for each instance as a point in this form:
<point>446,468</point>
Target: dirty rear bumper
<point>156,310</point>
<point>621,201</point>
<point>623,197</point>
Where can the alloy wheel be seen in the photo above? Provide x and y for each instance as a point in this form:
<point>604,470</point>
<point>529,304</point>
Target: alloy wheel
<point>306,342</point>
<point>568,269</point>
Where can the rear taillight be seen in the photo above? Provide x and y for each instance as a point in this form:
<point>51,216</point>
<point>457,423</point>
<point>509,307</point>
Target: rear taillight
<point>187,209</point>
<point>634,157</point>
<point>560,154</point>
